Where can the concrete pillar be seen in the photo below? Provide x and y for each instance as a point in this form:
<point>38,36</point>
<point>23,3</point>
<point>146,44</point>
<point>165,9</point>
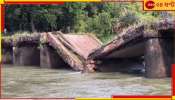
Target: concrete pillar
<point>49,58</point>
<point>158,58</point>
<point>27,54</point>
<point>7,55</point>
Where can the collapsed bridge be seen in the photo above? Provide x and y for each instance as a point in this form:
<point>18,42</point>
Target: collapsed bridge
<point>154,43</point>
<point>150,45</point>
<point>49,50</point>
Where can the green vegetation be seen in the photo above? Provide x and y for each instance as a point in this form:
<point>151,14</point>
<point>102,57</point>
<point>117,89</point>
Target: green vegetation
<point>105,20</point>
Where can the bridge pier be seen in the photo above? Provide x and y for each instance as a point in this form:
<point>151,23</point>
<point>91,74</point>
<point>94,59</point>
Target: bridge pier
<point>7,55</point>
<point>26,54</point>
<point>158,57</point>
<point>49,58</point>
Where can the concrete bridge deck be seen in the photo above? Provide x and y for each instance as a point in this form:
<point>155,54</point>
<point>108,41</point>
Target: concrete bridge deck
<point>131,43</point>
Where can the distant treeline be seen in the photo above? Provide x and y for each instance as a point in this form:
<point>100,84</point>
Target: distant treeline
<point>102,19</point>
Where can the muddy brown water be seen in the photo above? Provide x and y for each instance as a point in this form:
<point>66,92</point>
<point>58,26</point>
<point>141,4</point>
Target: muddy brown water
<point>31,81</point>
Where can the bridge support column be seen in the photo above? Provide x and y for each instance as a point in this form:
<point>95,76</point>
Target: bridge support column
<point>157,59</point>
<point>49,58</point>
<point>7,55</point>
<point>27,54</point>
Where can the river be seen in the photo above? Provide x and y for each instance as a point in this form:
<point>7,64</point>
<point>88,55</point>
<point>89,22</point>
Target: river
<point>31,81</point>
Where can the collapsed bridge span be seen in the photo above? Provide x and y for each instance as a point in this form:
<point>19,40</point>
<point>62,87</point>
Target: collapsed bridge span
<point>73,49</point>
<point>51,49</point>
<point>154,43</point>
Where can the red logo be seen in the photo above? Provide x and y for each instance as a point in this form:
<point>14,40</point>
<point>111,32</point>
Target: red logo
<point>150,4</point>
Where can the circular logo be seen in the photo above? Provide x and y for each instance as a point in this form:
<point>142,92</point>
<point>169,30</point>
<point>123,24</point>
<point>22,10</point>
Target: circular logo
<point>150,4</point>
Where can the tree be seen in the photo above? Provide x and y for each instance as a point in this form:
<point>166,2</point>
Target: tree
<point>103,19</point>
